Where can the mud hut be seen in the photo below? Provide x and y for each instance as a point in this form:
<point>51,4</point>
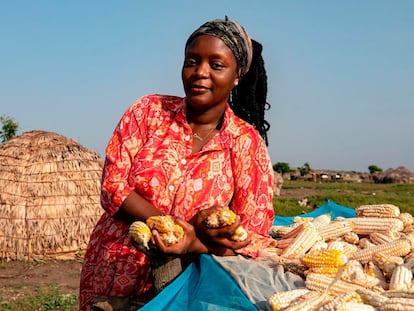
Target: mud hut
<point>49,196</point>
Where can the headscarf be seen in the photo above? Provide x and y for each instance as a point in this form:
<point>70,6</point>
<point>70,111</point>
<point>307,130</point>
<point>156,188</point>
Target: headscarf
<point>233,35</point>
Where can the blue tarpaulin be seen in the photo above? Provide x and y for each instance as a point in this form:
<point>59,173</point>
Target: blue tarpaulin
<point>204,285</point>
<point>329,207</point>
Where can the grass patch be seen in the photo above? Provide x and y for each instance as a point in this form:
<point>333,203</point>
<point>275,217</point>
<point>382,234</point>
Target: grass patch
<point>45,299</point>
<point>347,194</point>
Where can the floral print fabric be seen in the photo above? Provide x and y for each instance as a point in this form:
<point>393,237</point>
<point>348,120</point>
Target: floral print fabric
<point>150,152</point>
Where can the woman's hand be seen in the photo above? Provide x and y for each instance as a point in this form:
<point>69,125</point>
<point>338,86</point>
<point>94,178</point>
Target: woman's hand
<point>217,238</point>
<point>188,244</point>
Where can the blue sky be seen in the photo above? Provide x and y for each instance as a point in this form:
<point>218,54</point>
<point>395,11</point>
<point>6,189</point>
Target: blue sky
<point>340,73</point>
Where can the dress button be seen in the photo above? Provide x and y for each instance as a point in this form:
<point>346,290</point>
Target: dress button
<point>183,161</point>
<point>171,188</point>
<point>187,138</point>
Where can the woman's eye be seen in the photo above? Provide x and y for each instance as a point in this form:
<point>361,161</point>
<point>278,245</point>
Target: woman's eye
<point>217,66</point>
<point>189,62</point>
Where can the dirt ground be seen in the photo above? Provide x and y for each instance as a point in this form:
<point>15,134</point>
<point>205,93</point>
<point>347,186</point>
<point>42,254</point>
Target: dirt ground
<point>18,278</point>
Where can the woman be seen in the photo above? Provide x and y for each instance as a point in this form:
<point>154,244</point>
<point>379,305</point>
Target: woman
<point>185,157</point>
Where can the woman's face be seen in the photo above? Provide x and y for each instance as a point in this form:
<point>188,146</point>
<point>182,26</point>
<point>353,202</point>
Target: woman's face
<point>209,72</point>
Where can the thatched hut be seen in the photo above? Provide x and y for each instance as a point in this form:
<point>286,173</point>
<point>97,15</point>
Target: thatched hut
<point>49,196</point>
<point>400,175</point>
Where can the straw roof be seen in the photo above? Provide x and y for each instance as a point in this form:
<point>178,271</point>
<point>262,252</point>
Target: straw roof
<point>49,196</point>
<point>399,175</point>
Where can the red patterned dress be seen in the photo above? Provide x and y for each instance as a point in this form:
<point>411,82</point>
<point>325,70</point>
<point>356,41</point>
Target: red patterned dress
<point>151,152</point>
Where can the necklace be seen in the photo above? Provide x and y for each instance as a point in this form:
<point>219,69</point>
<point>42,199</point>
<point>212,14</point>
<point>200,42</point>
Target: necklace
<point>198,137</point>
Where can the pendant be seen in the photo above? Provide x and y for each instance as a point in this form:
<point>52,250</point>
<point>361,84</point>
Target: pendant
<point>198,137</point>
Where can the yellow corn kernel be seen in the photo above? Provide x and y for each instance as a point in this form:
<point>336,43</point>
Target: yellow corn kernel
<point>140,233</point>
<point>324,258</point>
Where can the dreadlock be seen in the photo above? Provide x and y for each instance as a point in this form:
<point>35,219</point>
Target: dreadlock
<point>248,99</point>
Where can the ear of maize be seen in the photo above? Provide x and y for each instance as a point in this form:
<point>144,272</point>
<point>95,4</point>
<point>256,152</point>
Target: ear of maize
<point>324,258</point>
<point>401,278</point>
<point>321,282</point>
<point>337,300</point>
<point>399,247</point>
<point>368,225</point>
<point>370,297</point>
<point>140,233</point>
<point>220,218</point>
<point>398,304</point>
<point>240,234</point>
<point>307,302</point>
<point>407,219</point>
<point>303,242</point>
<point>334,229</point>
<point>280,300</point>
<point>378,210</point>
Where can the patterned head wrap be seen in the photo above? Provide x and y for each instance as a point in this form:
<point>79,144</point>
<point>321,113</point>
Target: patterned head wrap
<point>233,35</point>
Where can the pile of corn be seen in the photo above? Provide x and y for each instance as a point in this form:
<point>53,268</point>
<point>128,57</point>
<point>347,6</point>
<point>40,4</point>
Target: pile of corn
<point>171,232</point>
<point>361,263</point>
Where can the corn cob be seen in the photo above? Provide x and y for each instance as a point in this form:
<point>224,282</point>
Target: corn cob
<point>293,233</point>
<point>399,247</point>
<point>226,217</point>
<point>374,271</point>
<point>398,304</point>
<point>337,300</point>
<point>321,282</point>
<point>354,306</point>
<point>303,242</point>
<point>367,225</point>
<point>324,258</point>
<point>240,234</point>
<point>321,220</point>
<point>387,263</point>
<point>353,272</point>
<point>320,245</point>
<point>398,294</point>
<point>221,218</point>
<point>351,237</point>
<point>407,219</point>
<point>334,229</point>
<point>279,231</point>
<point>307,302</point>
<point>378,210</point>
<point>382,237</point>
<point>401,278</point>
<point>280,300</point>
<point>140,233</point>
<point>371,298</point>
<point>365,243</point>
<point>169,232</point>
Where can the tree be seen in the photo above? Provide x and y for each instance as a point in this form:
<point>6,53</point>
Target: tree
<point>374,169</point>
<point>304,169</point>
<point>9,128</point>
<point>282,167</point>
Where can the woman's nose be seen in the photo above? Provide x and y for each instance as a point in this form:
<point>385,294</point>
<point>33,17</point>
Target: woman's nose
<point>202,70</point>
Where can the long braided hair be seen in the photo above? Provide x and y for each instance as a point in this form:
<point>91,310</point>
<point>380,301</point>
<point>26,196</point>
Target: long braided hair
<point>249,98</point>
